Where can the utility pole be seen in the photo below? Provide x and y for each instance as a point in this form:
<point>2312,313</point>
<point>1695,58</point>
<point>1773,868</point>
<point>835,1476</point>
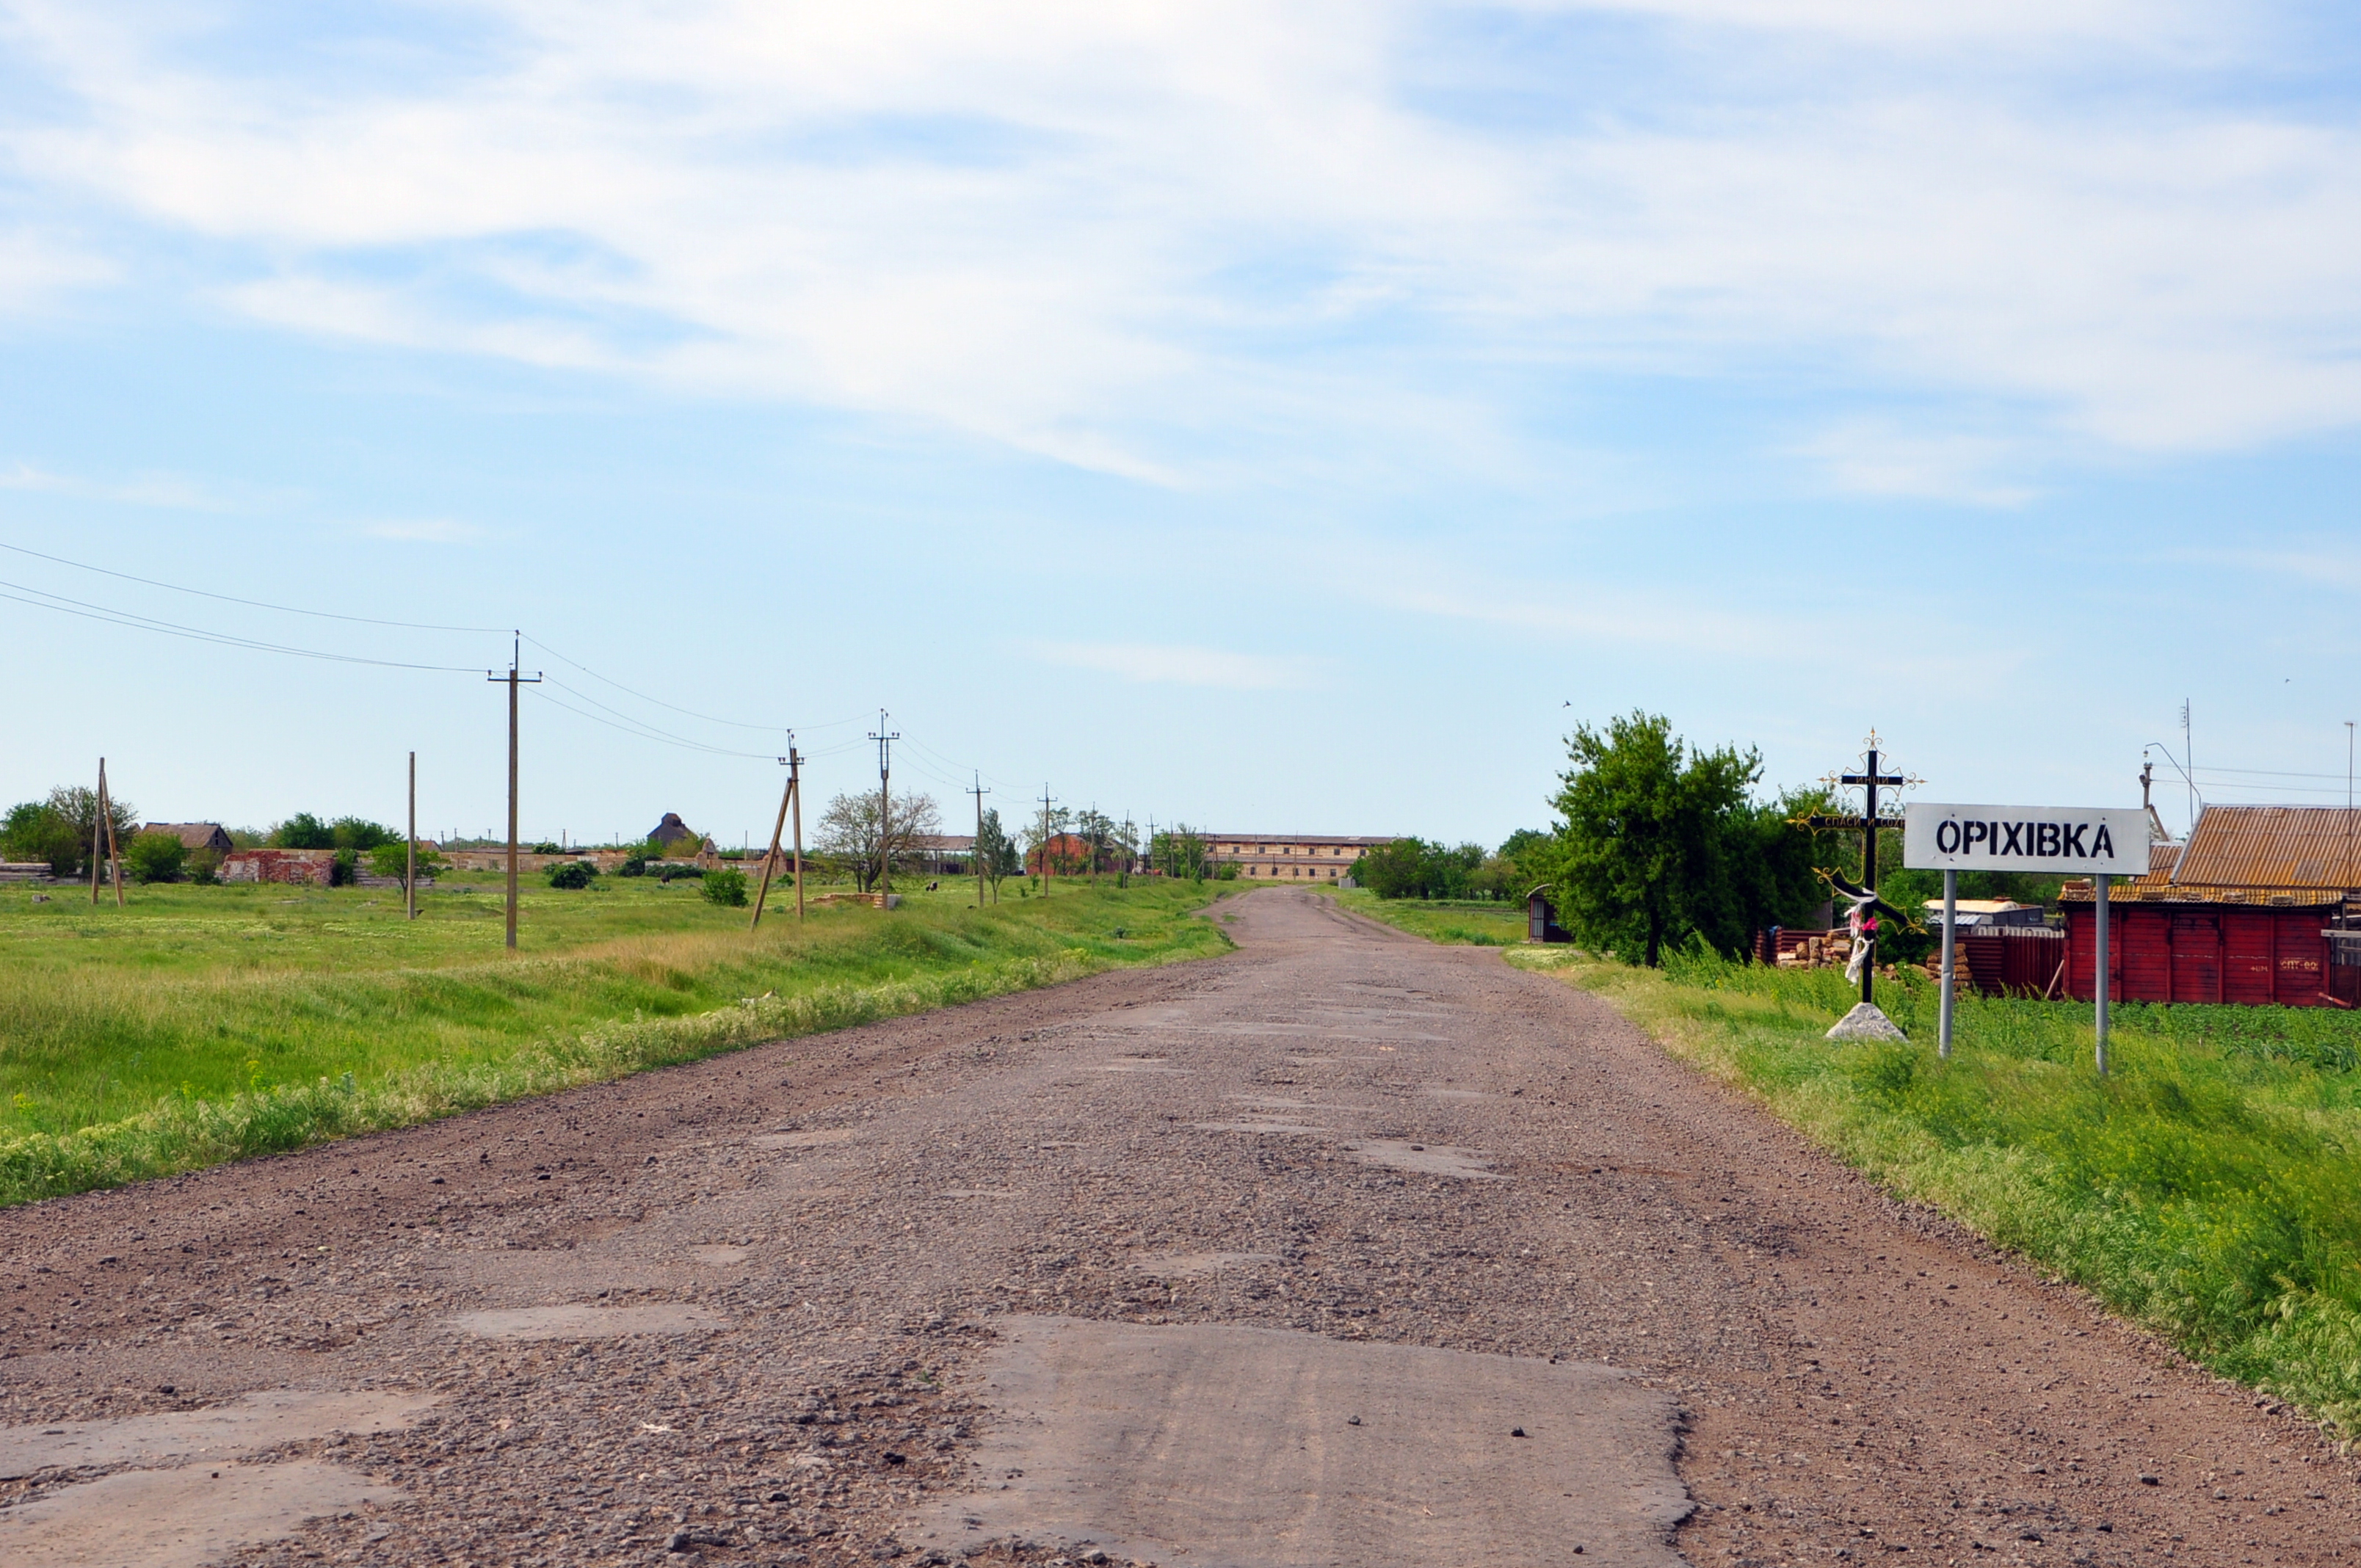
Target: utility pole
<point>786,799</point>
<point>884,803</point>
<point>1046,872</point>
<point>102,835</point>
<point>409,871</point>
<point>976,854</point>
<point>514,678</point>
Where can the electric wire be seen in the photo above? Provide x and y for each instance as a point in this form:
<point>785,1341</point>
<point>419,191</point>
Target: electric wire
<point>708,718</point>
<point>87,611</point>
<point>642,734</point>
<point>232,598</point>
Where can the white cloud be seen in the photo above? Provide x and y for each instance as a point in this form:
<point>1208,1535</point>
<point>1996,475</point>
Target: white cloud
<point>1878,458</point>
<point>1104,233</point>
<point>1185,666</point>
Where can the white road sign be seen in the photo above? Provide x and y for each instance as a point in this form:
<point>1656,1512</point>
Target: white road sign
<point>2070,841</point>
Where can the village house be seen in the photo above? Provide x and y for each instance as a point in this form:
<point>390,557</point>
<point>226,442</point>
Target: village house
<point>2261,906</point>
<point>317,867</point>
<point>1280,857</point>
<point>196,835</point>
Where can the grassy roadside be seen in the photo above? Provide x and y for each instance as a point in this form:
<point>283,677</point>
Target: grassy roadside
<point>211,1024</point>
<point>2209,1189</point>
<point>1459,923</point>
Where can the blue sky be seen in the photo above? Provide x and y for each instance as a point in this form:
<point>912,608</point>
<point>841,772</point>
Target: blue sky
<point>1279,418</point>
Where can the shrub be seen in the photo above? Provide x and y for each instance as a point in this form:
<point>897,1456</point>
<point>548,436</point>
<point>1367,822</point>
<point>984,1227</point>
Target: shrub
<point>346,870</point>
<point>573,874</point>
<point>360,833</point>
<point>727,886</point>
<point>546,848</point>
<point>202,866</point>
<point>633,865</point>
<point>674,873</point>
<point>155,857</point>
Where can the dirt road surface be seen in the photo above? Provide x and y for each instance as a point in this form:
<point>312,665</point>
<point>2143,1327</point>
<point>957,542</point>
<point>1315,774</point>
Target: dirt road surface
<point>1338,1249</point>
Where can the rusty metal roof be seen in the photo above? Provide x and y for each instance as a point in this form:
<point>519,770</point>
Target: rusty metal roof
<point>2292,848</point>
<point>2140,890</point>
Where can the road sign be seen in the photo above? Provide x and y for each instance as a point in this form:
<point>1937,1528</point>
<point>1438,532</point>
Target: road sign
<point>2059,839</point>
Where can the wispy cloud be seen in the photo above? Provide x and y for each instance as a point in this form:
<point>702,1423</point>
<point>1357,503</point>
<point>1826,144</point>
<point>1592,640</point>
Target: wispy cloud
<point>1114,235</point>
<point>1185,666</point>
<point>150,490</point>
<point>1880,457</point>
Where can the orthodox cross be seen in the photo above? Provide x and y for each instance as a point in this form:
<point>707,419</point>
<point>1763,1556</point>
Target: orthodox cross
<point>1867,825</point>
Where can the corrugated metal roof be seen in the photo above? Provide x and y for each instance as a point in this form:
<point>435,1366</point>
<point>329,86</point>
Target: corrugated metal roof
<point>2287,848</point>
<point>2140,890</point>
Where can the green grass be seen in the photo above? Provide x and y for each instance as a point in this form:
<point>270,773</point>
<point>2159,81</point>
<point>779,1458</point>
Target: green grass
<point>211,1022</point>
<point>2210,1188</point>
<point>1457,922</point>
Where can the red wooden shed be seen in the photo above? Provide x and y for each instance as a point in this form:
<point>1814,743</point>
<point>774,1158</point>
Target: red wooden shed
<point>2252,909</point>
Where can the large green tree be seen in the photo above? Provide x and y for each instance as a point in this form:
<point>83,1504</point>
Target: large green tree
<point>1662,842</point>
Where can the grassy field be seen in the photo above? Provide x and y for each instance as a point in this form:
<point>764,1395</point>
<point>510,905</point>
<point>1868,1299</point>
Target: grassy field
<point>1485,924</point>
<point>210,1023</point>
<point>2210,1188</point>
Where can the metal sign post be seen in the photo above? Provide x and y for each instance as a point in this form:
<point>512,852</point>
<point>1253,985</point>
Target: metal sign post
<point>1950,955</point>
<point>2100,842</point>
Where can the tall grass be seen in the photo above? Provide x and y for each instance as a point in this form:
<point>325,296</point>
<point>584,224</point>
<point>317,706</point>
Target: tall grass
<point>2209,1187</point>
<point>119,1069</point>
<point>1457,922</point>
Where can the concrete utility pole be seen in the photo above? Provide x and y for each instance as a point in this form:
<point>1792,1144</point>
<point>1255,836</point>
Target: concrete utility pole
<point>976,853</point>
<point>410,873</point>
<point>514,678</point>
<point>789,762</point>
<point>884,803</point>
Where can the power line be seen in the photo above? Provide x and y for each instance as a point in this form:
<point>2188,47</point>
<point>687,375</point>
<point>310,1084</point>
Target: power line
<point>708,718</point>
<point>642,733</point>
<point>231,598</point>
<point>113,616</point>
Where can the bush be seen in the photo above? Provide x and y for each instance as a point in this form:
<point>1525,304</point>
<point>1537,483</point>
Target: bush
<point>546,848</point>
<point>346,870</point>
<point>727,886</point>
<point>573,874</point>
<point>360,833</point>
<point>202,866</point>
<point>674,873</point>
<point>633,865</point>
<point>155,857</point>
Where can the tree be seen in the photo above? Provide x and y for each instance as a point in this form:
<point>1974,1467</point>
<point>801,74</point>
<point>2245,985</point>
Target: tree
<point>1178,851</point>
<point>1652,828</point>
<point>725,886</point>
<point>359,833</point>
<point>997,854</point>
<point>576,875</point>
<point>394,859</point>
<point>155,857</point>
<point>848,832</point>
<point>37,832</point>
<point>303,831</point>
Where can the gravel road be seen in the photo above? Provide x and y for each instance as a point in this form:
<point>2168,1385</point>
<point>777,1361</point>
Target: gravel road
<point>822,1301</point>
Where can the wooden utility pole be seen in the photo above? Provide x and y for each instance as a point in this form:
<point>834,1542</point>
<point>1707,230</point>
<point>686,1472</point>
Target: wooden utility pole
<point>976,853</point>
<point>795,788</point>
<point>1045,872</point>
<point>884,803</point>
<point>786,798</point>
<point>102,838</point>
<point>410,866</point>
<point>514,678</point>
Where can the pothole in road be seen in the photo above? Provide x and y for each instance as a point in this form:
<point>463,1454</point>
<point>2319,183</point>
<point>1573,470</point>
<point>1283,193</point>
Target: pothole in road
<point>1427,1159</point>
<point>815,1138</point>
<point>177,1518</point>
<point>1259,1448</point>
<point>261,1420</point>
<point>577,1320</point>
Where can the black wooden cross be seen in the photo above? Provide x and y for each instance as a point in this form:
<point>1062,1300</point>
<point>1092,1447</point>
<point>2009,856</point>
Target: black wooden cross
<point>1866,825</point>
